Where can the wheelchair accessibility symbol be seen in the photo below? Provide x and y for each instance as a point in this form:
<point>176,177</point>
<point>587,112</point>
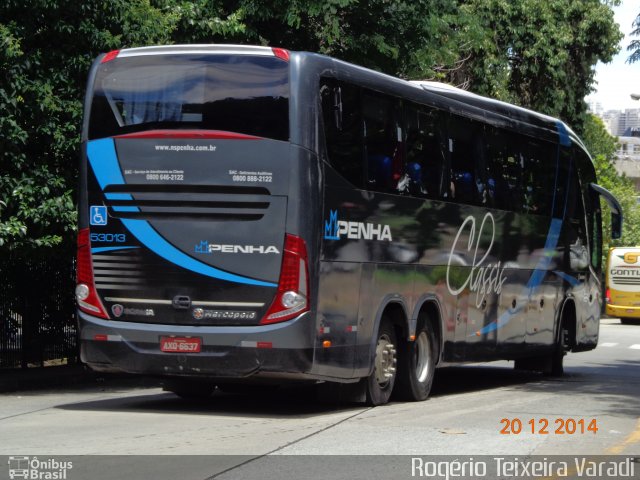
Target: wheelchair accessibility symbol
<point>98,215</point>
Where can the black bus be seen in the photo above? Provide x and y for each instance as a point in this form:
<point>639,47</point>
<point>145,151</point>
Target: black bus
<point>251,214</point>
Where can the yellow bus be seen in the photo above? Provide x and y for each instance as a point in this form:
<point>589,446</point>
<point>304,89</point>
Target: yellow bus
<point>623,284</point>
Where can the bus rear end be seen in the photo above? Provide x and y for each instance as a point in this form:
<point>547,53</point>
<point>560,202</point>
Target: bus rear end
<point>623,284</point>
<point>187,262</point>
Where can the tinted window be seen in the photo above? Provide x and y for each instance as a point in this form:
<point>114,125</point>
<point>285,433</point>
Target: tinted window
<point>538,175</point>
<point>575,217</point>
<point>425,170</point>
<point>504,170</point>
<point>466,150</point>
<point>343,129</point>
<point>383,142</point>
<point>592,207</point>
<point>239,93</point>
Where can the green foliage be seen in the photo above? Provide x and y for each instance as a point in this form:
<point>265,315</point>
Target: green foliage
<point>536,54</point>
<point>541,55</point>
<point>603,147</point>
<point>47,49</point>
<point>634,46</point>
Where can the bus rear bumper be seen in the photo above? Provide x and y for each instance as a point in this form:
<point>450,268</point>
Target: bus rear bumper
<point>621,311</point>
<point>226,352</point>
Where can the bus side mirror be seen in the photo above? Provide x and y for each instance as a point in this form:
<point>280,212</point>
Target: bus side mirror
<point>614,206</point>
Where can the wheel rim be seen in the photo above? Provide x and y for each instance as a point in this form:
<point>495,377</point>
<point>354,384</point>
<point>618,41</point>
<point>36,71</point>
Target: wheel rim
<point>423,356</point>
<point>385,361</point>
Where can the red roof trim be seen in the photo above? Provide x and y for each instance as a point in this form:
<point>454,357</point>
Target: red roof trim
<point>195,134</point>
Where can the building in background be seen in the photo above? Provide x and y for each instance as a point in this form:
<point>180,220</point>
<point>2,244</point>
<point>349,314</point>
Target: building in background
<point>628,158</point>
<point>620,123</point>
<point>624,124</point>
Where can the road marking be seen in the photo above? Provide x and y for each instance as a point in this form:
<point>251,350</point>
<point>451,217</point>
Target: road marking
<point>636,346</point>
<point>608,344</point>
<point>633,437</point>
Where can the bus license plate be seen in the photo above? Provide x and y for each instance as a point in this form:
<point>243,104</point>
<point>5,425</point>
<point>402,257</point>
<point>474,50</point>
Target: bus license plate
<point>180,344</point>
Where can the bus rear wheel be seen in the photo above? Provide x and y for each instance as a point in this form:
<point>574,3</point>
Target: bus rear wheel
<point>379,384</point>
<point>416,365</point>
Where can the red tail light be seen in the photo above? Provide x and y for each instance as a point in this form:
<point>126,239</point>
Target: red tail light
<point>110,56</point>
<point>292,297</point>
<point>281,53</point>
<point>607,296</point>
<point>86,295</point>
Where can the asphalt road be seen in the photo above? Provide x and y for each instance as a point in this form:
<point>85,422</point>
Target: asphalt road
<point>469,407</point>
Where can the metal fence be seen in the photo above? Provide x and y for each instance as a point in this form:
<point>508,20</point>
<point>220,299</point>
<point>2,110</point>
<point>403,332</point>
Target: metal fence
<point>37,311</point>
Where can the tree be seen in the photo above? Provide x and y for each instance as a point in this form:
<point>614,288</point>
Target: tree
<point>47,49</point>
<point>602,147</point>
<point>634,46</point>
<point>541,55</point>
<point>536,54</point>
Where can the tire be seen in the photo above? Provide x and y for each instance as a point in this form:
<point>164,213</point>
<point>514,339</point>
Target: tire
<point>555,365</point>
<point>417,365</point>
<point>379,385</point>
<point>629,321</point>
<point>189,389</point>
<point>552,364</point>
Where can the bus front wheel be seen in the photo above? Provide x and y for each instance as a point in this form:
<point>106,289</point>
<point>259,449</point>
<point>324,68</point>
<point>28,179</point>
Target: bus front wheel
<point>562,346</point>
<point>379,384</point>
<point>416,365</point>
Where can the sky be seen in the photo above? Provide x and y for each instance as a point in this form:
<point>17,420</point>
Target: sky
<point>618,79</point>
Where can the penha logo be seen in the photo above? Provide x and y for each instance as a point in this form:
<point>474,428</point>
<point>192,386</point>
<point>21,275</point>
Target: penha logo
<point>335,229</point>
<point>208,248</point>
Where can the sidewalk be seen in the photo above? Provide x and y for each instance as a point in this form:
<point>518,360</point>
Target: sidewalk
<point>64,376</point>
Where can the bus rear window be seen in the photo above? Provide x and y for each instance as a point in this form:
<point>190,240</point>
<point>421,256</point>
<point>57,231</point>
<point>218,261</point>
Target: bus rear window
<point>235,93</point>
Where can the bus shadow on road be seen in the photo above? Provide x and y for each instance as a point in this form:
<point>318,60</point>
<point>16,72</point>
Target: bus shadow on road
<point>455,380</point>
<point>615,385</point>
<point>293,401</point>
<point>264,402</point>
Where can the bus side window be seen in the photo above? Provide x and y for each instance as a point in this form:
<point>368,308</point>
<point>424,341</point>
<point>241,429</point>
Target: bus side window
<point>383,142</point>
<point>504,171</point>
<point>538,175</point>
<point>576,235</point>
<point>562,182</point>
<point>343,134</point>
<point>425,167</point>
<point>466,157</point>
<point>592,206</point>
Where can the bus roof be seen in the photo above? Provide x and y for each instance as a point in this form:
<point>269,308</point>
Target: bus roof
<point>496,106</point>
<point>448,94</point>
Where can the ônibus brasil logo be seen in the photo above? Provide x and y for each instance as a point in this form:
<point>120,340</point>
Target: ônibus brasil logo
<point>335,229</point>
<point>34,468</point>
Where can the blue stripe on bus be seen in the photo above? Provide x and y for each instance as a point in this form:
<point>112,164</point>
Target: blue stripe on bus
<point>535,280</point>
<point>118,196</point>
<point>111,249</point>
<point>565,140</point>
<point>571,280</point>
<point>122,208</point>
<point>104,162</point>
